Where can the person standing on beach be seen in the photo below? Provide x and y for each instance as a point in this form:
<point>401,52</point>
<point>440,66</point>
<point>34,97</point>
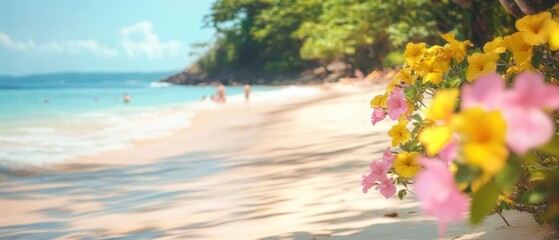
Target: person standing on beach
<point>221,93</point>
<point>247,92</point>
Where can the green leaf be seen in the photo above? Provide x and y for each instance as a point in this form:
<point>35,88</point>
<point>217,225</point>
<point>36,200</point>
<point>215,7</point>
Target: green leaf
<point>417,127</point>
<point>534,196</point>
<point>537,175</point>
<point>531,158</point>
<point>537,58</point>
<point>509,174</point>
<point>483,202</point>
<point>464,174</point>
<point>402,193</point>
<point>410,92</point>
<point>504,205</point>
<point>455,82</point>
<point>417,117</point>
<point>552,147</point>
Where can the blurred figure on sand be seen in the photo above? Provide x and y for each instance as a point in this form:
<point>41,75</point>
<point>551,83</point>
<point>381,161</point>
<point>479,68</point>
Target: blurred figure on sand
<point>247,92</point>
<point>221,93</point>
<point>127,98</point>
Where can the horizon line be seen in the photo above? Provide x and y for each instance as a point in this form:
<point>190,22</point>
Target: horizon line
<point>87,72</point>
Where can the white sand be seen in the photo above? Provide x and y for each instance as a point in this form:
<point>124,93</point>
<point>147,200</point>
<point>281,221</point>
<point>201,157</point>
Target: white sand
<point>288,170</point>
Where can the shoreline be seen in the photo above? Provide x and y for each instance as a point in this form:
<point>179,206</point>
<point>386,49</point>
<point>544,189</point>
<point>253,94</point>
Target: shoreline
<point>287,170</point>
<point>166,146</point>
<point>15,165</point>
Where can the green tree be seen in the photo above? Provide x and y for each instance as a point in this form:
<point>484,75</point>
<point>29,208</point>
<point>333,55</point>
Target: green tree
<point>263,37</point>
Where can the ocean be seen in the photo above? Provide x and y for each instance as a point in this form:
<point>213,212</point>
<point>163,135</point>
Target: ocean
<point>52,118</point>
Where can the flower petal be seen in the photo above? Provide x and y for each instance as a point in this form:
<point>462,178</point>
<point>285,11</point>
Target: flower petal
<point>487,92</point>
<point>528,128</point>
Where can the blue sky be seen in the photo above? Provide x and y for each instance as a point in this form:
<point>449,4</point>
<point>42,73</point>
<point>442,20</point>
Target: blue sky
<point>99,36</point>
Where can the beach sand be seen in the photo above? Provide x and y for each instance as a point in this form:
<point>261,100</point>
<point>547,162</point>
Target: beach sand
<point>274,170</point>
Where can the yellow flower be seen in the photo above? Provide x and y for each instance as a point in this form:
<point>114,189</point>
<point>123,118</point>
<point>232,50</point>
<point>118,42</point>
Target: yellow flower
<point>432,71</point>
<point>441,110</point>
<point>414,53</point>
<point>512,70</point>
<point>379,100</point>
<point>439,57</point>
<point>405,75</point>
<point>554,36</point>
<point>392,84</point>
<point>495,46</point>
<point>483,137</point>
<point>399,133</point>
<point>411,108</point>
<point>435,76</point>
<point>443,105</point>
<point>407,164</point>
<point>449,37</point>
<point>522,52</point>
<point>458,49</point>
<point>434,138</point>
<point>534,28</point>
<point>480,64</point>
<point>453,168</point>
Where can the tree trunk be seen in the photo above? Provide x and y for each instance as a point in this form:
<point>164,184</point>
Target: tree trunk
<point>481,26</point>
<point>512,8</point>
<point>520,8</point>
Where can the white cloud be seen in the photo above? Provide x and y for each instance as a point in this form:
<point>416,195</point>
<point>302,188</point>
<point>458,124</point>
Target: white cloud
<point>7,42</point>
<point>91,46</point>
<point>139,39</point>
<point>64,47</point>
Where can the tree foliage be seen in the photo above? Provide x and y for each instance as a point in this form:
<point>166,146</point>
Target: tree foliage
<point>270,36</point>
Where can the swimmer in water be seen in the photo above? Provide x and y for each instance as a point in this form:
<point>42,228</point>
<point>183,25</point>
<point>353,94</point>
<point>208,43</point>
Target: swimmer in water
<point>127,98</point>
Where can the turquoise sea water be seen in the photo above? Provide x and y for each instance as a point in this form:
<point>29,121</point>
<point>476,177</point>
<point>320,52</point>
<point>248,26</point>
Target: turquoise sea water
<point>85,113</point>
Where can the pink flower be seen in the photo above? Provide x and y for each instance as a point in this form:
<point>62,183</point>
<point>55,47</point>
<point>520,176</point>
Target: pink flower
<point>527,128</point>
<point>388,157</point>
<point>530,91</point>
<point>378,115</point>
<point>527,125</point>
<point>396,104</point>
<point>450,151</point>
<point>486,92</point>
<point>367,183</point>
<point>438,194</point>
<point>378,170</point>
<point>387,188</point>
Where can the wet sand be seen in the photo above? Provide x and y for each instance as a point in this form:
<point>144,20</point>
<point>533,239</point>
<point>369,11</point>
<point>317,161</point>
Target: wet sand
<point>285,170</point>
